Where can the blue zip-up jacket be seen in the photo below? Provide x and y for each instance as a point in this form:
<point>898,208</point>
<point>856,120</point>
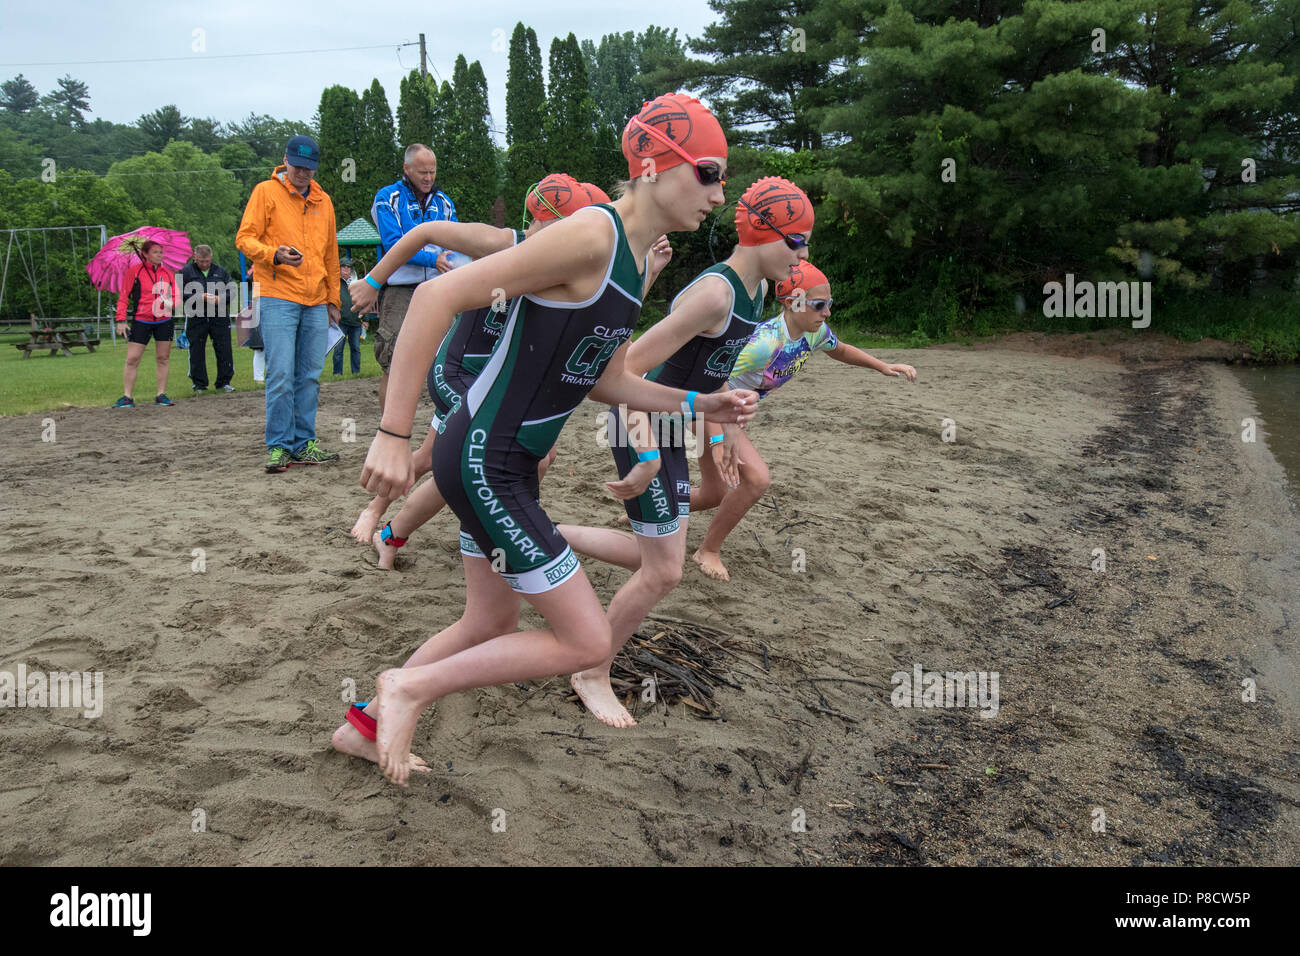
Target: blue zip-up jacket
<point>396,212</point>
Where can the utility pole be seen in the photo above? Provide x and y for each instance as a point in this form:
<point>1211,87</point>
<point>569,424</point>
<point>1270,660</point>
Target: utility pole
<point>424,69</point>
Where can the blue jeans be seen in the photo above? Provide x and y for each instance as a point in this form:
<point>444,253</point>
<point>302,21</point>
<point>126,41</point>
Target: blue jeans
<point>352,340</point>
<point>295,337</point>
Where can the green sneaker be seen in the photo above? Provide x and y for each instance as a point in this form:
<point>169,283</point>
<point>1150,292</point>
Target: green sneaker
<point>313,454</point>
<point>280,460</point>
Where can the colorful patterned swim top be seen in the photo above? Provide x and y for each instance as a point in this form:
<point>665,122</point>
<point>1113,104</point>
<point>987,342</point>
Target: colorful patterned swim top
<point>771,357</point>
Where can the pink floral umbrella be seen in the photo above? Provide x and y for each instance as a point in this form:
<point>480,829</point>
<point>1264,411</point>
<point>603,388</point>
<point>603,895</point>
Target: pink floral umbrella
<point>109,264</point>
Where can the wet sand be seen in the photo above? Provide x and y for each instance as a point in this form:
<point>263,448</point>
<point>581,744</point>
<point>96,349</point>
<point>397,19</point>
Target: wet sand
<point>1119,691</point>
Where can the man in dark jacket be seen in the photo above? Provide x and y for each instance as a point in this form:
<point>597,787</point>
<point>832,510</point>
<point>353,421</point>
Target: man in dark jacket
<point>350,323</point>
<point>210,298</point>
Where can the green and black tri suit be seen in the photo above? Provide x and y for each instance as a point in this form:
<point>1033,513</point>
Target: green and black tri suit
<point>548,356</point>
<point>701,365</point>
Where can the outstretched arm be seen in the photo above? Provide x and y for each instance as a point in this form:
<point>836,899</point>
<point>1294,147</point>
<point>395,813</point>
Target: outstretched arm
<point>475,239</point>
<point>700,308</point>
<point>619,386</point>
<point>851,355</point>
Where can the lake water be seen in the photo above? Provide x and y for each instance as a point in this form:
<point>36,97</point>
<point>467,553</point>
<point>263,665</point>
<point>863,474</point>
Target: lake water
<point>1276,390</point>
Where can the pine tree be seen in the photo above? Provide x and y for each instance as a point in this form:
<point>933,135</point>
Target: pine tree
<point>415,110</point>
<point>570,113</point>
<point>525,111</point>
<point>1212,78</point>
<point>341,124</point>
<point>18,95</point>
<point>69,103</point>
<point>474,144</point>
<point>768,68</point>
<point>379,161</point>
<point>443,118</point>
<point>162,126</point>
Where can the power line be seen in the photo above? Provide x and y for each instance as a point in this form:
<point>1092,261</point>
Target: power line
<point>205,56</point>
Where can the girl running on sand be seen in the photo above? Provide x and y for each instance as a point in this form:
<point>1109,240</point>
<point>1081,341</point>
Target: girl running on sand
<point>716,314</point>
<point>577,291</point>
<point>473,336</point>
<point>778,350</point>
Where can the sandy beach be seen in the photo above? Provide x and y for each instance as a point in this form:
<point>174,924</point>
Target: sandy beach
<point>228,609</point>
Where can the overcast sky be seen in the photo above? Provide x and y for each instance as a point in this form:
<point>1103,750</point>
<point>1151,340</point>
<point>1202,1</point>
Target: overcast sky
<point>157,63</point>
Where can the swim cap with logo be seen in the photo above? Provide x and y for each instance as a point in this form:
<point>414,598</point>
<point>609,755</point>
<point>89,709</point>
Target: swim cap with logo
<point>804,276</point>
<point>556,196</point>
<point>776,202</point>
<point>684,120</point>
<point>594,194</point>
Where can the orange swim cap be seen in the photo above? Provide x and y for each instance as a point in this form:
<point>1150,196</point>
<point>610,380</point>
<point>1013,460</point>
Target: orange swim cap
<point>594,194</point>
<point>557,196</point>
<point>775,202</point>
<point>684,120</point>
<point>804,276</point>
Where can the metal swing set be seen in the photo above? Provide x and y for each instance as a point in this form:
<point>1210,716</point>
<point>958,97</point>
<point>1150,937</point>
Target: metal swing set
<point>52,333</point>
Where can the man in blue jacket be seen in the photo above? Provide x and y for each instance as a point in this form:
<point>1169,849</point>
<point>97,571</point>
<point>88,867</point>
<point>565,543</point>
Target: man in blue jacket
<point>399,208</point>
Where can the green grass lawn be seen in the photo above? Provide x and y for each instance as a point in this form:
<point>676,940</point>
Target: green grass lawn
<point>44,382</point>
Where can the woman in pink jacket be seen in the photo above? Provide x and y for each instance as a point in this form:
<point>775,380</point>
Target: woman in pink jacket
<point>144,311</point>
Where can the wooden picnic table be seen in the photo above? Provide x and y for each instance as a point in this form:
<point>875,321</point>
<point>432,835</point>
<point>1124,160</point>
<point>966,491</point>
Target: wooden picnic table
<point>58,335</point>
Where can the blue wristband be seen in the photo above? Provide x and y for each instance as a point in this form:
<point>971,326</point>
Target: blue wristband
<point>714,439</point>
<point>372,283</point>
<point>690,401</point>
<point>652,455</point>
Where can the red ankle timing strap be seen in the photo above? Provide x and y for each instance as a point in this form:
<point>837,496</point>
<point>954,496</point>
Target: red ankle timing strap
<point>364,723</point>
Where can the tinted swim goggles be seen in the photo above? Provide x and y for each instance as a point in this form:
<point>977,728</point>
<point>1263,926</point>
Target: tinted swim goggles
<point>708,173</point>
<point>794,240</point>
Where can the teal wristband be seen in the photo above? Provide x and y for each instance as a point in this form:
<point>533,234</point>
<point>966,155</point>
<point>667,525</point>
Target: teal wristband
<point>714,439</point>
<point>652,455</point>
<point>372,283</point>
<point>690,401</point>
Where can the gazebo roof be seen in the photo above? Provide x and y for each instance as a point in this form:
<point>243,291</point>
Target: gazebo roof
<point>359,232</point>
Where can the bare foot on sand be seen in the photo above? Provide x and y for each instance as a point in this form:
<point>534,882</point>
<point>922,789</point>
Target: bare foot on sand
<point>387,553</point>
<point>710,563</point>
<point>348,740</point>
<point>397,711</point>
<point>366,522</point>
<point>598,697</point>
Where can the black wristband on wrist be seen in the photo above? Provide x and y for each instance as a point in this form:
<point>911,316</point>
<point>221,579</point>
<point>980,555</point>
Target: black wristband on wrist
<point>394,434</point>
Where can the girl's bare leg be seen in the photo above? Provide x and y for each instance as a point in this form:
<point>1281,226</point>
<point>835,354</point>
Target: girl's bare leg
<point>420,505</point>
<point>712,488</point>
<point>605,544</point>
<point>754,481</point>
<point>578,638</point>
<point>659,573</point>
<point>368,520</point>
<point>491,608</point>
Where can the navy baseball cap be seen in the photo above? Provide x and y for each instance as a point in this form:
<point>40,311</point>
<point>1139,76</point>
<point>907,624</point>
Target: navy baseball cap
<point>302,151</point>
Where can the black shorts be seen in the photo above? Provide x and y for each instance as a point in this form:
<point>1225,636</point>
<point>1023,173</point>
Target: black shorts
<point>500,517</point>
<point>140,332</point>
<point>656,513</point>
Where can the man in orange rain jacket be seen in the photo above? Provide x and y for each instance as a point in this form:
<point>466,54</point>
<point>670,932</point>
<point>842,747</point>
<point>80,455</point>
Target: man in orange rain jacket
<point>288,233</point>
